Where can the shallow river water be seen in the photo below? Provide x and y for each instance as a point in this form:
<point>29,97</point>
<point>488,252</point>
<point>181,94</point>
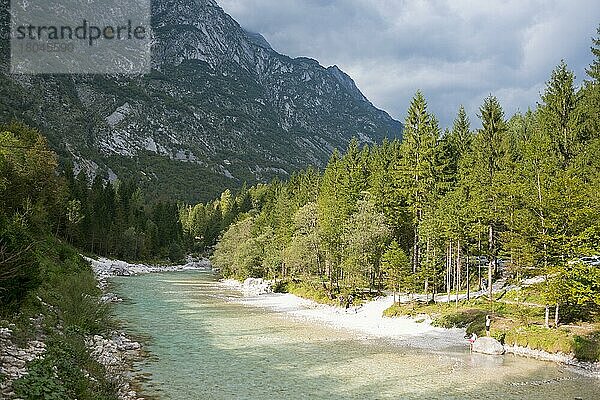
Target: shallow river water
<point>205,345</point>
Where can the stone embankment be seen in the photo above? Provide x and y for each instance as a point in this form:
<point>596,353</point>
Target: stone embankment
<point>14,359</point>
<point>116,353</point>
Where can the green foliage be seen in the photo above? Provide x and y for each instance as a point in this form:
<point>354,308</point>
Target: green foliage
<point>66,372</point>
<point>396,268</point>
<point>19,266</point>
<point>41,383</point>
<point>507,326</point>
<point>30,195</point>
<point>67,299</point>
<point>587,347</point>
<point>471,319</point>
<point>114,219</point>
<point>541,338</point>
<point>313,291</point>
<point>558,110</point>
<point>44,279</point>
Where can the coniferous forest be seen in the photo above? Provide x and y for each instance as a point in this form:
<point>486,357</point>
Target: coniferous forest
<point>441,211</point>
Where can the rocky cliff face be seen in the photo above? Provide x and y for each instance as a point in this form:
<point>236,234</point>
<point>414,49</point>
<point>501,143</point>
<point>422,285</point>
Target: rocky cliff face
<point>220,107</point>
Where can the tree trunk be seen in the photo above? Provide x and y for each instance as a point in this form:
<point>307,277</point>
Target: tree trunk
<point>448,272</point>
<point>434,290</point>
<point>427,265</point>
<point>416,249</point>
<point>457,269</point>
<point>491,262</point>
<point>479,260</point>
<point>468,280</point>
<point>547,317</point>
<point>556,316</point>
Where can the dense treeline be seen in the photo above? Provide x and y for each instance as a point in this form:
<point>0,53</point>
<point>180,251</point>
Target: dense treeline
<point>441,211</point>
<point>115,219</point>
<point>31,197</point>
<point>38,200</point>
<point>202,224</point>
<point>46,288</point>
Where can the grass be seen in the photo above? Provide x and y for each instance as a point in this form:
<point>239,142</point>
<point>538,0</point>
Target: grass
<point>314,290</point>
<point>512,323</point>
<point>538,337</point>
<point>307,290</point>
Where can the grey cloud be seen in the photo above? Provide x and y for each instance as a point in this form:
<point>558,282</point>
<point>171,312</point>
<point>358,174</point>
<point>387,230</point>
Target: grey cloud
<point>455,51</point>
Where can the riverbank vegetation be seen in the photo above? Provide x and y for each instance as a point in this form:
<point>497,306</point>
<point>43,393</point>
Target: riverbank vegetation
<point>443,211</point>
<point>47,292</point>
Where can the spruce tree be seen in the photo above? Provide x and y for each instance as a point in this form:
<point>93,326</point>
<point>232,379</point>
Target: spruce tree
<point>559,101</point>
<point>416,170</point>
<point>487,152</point>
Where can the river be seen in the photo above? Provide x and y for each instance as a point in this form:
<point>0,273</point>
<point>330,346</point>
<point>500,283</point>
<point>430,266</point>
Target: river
<point>206,345</point>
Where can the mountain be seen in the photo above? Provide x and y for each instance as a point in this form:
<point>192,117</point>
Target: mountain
<point>219,108</point>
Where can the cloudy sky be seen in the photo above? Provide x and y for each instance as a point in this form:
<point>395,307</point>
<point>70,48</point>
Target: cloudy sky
<point>455,51</point>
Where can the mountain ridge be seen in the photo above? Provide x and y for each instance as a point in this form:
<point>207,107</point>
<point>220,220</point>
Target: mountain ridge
<point>219,108</point>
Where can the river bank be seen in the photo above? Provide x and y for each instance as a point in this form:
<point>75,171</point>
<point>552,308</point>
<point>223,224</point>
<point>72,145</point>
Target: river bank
<point>368,320</point>
<point>365,321</point>
<point>204,342</point>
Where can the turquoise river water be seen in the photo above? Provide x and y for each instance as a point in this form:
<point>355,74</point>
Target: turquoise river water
<point>204,345</point>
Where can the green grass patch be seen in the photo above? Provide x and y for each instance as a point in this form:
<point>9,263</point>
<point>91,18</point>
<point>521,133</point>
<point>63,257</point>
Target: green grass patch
<point>540,338</point>
<point>443,315</point>
<point>316,291</point>
<point>473,320</point>
<point>307,290</point>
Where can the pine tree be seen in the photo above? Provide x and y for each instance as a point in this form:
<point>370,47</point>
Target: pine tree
<point>460,137</point>
<point>593,71</point>
<point>416,174</point>
<point>589,106</point>
<point>487,153</point>
<point>559,101</point>
<point>396,268</point>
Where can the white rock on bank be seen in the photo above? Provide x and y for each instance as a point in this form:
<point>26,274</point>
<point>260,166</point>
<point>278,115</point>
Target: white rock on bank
<point>106,268</point>
<point>116,353</point>
<point>256,286</point>
<point>488,345</point>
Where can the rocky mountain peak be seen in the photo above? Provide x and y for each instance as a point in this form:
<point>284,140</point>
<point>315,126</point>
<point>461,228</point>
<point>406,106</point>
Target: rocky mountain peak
<point>258,39</point>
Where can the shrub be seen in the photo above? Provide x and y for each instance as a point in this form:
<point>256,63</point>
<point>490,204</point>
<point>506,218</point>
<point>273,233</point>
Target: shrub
<point>587,347</point>
<point>473,320</point>
<point>41,383</point>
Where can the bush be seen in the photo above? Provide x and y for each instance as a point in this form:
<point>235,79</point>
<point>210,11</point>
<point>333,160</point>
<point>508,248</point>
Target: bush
<point>281,286</point>
<point>587,347</point>
<point>473,320</point>
<point>41,383</point>
<point>19,268</point>
<point>77,300</point>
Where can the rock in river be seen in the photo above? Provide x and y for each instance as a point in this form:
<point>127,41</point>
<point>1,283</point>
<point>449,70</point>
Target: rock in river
<point>488,345</point>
